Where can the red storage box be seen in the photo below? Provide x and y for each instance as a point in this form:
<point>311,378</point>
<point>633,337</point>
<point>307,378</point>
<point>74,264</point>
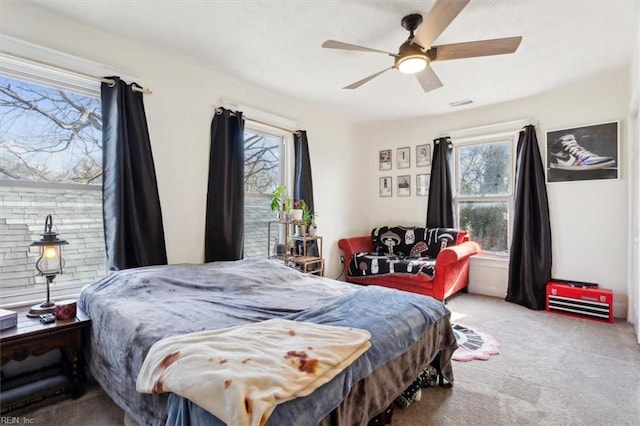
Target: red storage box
<point>580,300</point>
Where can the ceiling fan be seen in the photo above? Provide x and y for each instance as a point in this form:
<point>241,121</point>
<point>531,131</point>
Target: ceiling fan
<point>415,54</point>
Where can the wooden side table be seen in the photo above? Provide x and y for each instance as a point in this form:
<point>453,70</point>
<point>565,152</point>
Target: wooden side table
<point>32,338</point>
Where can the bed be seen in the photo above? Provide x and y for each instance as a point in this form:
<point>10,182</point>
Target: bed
<point>133,309</point>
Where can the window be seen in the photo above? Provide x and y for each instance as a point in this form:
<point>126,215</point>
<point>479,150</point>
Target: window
<point>484,171</point>
<point>264,170</point>
<point>50,163</point>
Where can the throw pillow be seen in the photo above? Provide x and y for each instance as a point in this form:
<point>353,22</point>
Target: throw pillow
<point>439,238</point>
<point>403,241</point>
<point>378,246</point>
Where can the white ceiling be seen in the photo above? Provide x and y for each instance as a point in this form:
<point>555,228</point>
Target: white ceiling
<point>276,45</point>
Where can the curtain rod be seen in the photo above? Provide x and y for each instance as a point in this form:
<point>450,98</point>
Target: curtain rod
<point>284,129</point>
<point>109,81</point>
<point>490,128</point>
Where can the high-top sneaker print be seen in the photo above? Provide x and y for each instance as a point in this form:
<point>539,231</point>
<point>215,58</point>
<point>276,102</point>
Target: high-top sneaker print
<point>566,154</point>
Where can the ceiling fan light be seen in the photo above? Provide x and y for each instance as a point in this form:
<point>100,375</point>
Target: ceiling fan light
<point>412,64</point>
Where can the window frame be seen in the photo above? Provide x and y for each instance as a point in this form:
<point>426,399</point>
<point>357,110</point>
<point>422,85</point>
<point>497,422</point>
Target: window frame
<point>286,145</point>
<point>286,156</point>
<point>30,71</point>
<point>484,139</point>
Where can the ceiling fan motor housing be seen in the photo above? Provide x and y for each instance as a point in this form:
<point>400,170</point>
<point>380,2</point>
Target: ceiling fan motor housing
<point>411,58</point>
<point>411,54</point>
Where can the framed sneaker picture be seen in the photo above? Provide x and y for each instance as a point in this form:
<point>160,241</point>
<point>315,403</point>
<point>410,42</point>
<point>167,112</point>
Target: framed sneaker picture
<point>583,153</point>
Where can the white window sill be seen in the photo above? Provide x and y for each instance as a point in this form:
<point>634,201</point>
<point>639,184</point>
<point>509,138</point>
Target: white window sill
<point>32,297</point>
<point>488,259</point>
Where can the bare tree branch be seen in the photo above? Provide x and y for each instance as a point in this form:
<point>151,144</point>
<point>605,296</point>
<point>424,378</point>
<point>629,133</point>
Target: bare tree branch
<point>262,163</point>
<point>49,134</point>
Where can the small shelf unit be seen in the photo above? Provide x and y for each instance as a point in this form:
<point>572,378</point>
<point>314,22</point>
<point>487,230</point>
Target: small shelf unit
<point>295,248</point>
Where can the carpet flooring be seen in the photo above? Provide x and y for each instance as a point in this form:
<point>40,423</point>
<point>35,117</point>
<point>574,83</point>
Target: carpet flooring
<point>551,370</point>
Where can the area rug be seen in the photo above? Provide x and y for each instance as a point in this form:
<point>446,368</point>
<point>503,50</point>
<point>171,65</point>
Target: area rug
<point>473,344</point>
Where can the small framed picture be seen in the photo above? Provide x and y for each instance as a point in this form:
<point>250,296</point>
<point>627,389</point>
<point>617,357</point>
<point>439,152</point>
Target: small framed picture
<point>386,186</point>
<point>404,186</point>
<point>385,159</point>
<point>404,158</point>
<point>422,185</point>
<point>589,152</point>
<point>423,155</point>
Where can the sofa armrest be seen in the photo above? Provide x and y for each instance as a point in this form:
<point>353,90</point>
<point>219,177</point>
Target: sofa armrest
<point>353,245</point>
<point>454,254</point>
<point>452,269</point>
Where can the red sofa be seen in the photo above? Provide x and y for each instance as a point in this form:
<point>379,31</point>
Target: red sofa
<point>451,269</point>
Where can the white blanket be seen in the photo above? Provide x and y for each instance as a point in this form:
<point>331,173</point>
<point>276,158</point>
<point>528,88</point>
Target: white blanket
<point>241,373</point>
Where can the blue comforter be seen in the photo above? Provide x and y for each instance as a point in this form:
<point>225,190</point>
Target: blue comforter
<point>396,321</point>
<point>132,309</point>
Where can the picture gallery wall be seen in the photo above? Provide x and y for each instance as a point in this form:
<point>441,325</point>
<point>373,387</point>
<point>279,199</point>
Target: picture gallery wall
<point>404,182</point>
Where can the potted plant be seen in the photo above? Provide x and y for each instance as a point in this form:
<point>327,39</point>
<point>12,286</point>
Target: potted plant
<point>312,228</point>
<point>280,202</point>
<point>305,215</point>
<point>297,210</point>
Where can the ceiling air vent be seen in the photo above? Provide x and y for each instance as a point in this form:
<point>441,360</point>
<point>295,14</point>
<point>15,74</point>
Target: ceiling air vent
<point>460,103</point>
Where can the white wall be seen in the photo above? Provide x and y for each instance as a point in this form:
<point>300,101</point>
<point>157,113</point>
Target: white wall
<point>634,187</point>
<point>179,114</point>
<point>588,219</point>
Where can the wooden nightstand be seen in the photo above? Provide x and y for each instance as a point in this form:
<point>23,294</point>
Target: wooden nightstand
<point>31,338</point>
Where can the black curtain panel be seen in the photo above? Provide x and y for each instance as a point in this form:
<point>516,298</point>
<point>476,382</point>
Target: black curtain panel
<point>302,183</point>
<point>133,230</point>
<point>440,207</point>
<point>530,253</point>
<point>224,230</point>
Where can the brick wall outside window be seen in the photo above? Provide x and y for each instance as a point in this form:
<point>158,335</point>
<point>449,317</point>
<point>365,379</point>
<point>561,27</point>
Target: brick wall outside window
<point>77,217</point>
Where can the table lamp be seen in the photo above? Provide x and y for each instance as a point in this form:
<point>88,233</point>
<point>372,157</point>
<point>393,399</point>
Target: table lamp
<point>49,264</point>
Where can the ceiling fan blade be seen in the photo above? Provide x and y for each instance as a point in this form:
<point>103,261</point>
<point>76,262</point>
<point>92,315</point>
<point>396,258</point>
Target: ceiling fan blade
<point>428,79</point>
<point>498,46</point>
<point>365,80</point>
<point>332,44</point>
<point>437,19</point>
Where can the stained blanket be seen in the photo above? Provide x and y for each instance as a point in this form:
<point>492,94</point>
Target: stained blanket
<point>241,373</point>
<point>368,264</point>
